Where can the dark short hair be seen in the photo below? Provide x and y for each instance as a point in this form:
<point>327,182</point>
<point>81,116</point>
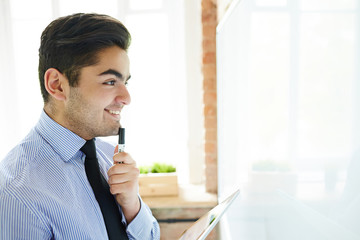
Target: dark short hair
<point>72,42</point>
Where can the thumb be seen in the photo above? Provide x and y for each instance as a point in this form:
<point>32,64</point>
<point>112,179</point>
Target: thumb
<point>116,149</point>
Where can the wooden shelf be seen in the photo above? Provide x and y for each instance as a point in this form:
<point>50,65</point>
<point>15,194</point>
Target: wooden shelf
<point>189,196</point>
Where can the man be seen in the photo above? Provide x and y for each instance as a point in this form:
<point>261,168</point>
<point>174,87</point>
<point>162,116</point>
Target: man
<point>46,191</point>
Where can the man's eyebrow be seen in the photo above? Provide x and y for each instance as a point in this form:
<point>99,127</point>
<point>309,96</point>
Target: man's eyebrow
<point>113,72</point>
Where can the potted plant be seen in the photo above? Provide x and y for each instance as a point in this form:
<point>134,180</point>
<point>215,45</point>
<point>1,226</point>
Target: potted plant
<point>159,179</point>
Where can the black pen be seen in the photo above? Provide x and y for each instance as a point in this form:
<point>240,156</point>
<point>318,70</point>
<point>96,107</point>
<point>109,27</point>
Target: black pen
<point>121,141</point>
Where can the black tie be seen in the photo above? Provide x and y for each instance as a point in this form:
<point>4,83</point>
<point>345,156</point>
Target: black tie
<point>110,211</point>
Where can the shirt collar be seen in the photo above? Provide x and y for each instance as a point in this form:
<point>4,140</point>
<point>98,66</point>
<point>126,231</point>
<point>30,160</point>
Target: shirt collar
<point>62,140</point>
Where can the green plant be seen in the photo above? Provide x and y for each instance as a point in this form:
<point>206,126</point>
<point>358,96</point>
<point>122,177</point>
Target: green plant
<point>157,168</point>
<point>144,169</point>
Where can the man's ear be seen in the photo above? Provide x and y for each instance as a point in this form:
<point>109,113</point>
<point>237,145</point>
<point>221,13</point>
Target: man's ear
<point>56,84</point>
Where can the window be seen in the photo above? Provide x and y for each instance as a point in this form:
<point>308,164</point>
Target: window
<point>155,122</point>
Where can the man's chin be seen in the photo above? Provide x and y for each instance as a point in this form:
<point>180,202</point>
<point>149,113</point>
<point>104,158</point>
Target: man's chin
<point>111,132</point>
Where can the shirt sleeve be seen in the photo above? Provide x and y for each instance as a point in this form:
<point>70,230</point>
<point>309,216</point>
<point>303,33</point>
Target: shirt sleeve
<point>18,222</point>
<point>144,226</point>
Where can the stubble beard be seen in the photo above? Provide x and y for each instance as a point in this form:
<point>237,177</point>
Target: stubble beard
<point>84,119</point>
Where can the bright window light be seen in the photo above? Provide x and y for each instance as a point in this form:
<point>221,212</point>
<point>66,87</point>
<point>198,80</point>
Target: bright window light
<point>156,120</point>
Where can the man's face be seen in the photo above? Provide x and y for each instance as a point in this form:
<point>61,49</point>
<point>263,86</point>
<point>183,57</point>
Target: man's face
<point>93,107</point>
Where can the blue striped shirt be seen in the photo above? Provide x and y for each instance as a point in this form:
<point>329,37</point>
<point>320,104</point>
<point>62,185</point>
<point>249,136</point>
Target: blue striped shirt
<point>45,194</point>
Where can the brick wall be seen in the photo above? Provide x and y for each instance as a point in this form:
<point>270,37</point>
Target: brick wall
<point>209,22</point>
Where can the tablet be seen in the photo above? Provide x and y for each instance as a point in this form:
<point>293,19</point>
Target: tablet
<point>203,226</point>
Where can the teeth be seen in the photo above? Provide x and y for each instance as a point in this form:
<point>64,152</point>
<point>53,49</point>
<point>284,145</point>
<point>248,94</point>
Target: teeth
<point>114,112</point>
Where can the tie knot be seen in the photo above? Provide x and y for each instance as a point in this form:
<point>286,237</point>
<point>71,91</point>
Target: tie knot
<point>89,149</point>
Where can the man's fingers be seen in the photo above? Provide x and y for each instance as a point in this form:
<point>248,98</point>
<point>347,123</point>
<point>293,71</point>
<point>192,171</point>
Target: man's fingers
<point>124,177</point>
<point>123,157</point>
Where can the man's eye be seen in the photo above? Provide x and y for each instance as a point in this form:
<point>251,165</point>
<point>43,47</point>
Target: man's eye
<point>112,82</point>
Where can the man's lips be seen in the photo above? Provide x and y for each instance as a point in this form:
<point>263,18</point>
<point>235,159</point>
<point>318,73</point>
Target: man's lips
<point>114,113</point>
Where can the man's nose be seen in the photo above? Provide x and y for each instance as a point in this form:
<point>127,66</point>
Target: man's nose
<point>123,95</point>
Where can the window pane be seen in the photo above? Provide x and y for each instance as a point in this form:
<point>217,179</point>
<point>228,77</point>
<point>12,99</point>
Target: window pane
<point>325,87</point>
<point>271,3</point>
<point>26,74</point>
<point>39,9</point>
<point>154,116</point>
<point>88,6</point>
<point>327,4</point>
<point>145,4</point>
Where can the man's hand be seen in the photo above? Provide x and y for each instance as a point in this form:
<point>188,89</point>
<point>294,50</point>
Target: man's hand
<point>123,181</point>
